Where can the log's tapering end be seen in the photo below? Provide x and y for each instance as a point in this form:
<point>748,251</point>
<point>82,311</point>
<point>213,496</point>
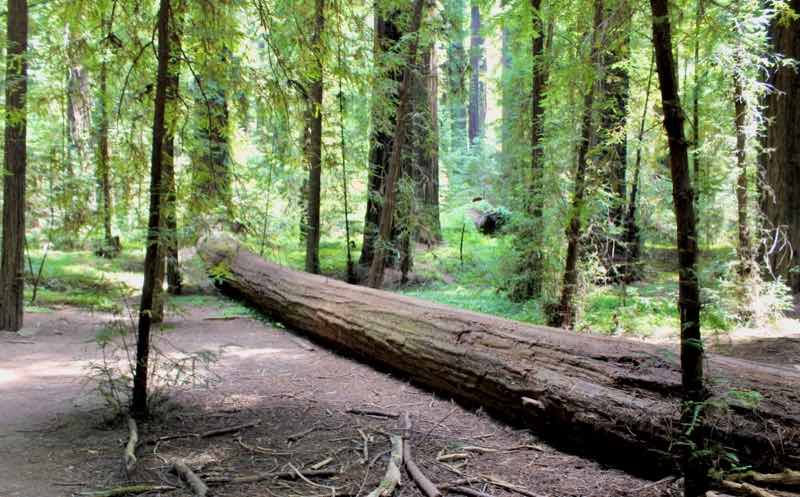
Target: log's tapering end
<point>217,247</point>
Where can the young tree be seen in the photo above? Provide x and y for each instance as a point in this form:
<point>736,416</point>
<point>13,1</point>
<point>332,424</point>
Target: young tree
<point>781,201</point>
<point>103,172</point>
<point>313,142</point>
<point>529,284</point>
<point>139,399</point>
<point>565,314</point>
<point>694,390</point>
<point>12,281</point>
<point>740,114</point>
<point>375,277</point>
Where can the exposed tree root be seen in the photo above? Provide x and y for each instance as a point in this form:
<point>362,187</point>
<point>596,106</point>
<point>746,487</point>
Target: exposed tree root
<point>186,474</point>
<point>129,456</point>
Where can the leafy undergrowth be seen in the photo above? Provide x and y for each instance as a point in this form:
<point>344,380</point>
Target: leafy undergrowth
<point>82,279</point>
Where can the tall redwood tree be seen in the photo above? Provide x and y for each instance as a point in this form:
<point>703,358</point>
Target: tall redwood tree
<point>694,390</point>
<point>12,281</point>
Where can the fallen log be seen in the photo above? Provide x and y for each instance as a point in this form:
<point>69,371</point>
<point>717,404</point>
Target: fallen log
<point>613,399</point>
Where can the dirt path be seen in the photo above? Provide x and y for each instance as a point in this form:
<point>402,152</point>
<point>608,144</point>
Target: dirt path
<point>54,442</point>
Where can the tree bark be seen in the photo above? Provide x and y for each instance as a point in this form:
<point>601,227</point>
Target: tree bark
<point>12,280</point>
<point>781,204</point>
<point>103,167</point>
<point>386,35</point>
<point>531,264</point>
<point>564,316</point>
<point>313,146</point>
<point>694,389</point>
<point>614,399</point>
<point>172,240</point>
<point>744,251</point>
<point>151,261</point>
<point>375,277</point>
<point>477,89</point>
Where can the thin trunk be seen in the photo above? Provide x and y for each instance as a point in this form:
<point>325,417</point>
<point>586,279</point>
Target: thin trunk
<point>455,71</point>
<point>477,111</point>
<point>694,390</point>
<point>565,314</point>
<point>375,277</point>
<point>172,240</point>
<point>314,145</point>
<point>139,399</point>
<point>631,237</point>
<point>529,284</point>
<point>103,170</point>
<point>744,251</point>
<point>12,281</point>
<point>351,272</point>
<point>781,204</point>
<point>696,96</point>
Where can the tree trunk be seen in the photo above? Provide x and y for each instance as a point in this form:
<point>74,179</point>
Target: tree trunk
<point>564,316</point>
<point>477,64</point>
<point>631,237</point>
<point>694,389</point>
<point>386,35</point>
<point>455,71</point>
<point>744,251</point>
<point>530,265</point>
<point>781,203</point>
<point>103,167</point>
<point>314,144</point>
<point>12,280</point>
<point>614,399</point>
<point>375,277</point>
<point>151,261</point>
<point>172,240</point>
<point>424,141</point>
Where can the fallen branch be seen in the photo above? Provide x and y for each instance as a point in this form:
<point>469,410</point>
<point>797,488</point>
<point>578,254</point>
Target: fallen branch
<point>129,456</point>
<point>373,412</point>
<point>231,429</point>
<point>391,479</point>
<point>186,474</point>
<point>787,478</point>
<point>745,489</point>
<point>297,436</point>
<point>422,481</point>
<point>468,492</point>
<point>140,488</point>
<point>276,475</point>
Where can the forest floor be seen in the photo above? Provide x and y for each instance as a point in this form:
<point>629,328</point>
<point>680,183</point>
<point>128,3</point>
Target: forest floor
<point>56,438</point>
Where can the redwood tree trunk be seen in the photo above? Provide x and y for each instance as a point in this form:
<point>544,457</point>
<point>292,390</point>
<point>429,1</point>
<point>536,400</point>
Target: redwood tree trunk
<point>455,71</point>
<point>614,399</point>
<point>12,281</point>
<point>103,169</point>
<point>375,277</point>
<point>564,316</point>
<point>530,265</point>
<point>386,35</point>
<point>477,109</point>
<point>314,145</point>
<point>139,399</point>
<point>781,203</point>
<point>694,390</point>
<point>743,250</point>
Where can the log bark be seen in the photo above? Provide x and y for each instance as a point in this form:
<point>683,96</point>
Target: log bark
<point>616,400</point>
